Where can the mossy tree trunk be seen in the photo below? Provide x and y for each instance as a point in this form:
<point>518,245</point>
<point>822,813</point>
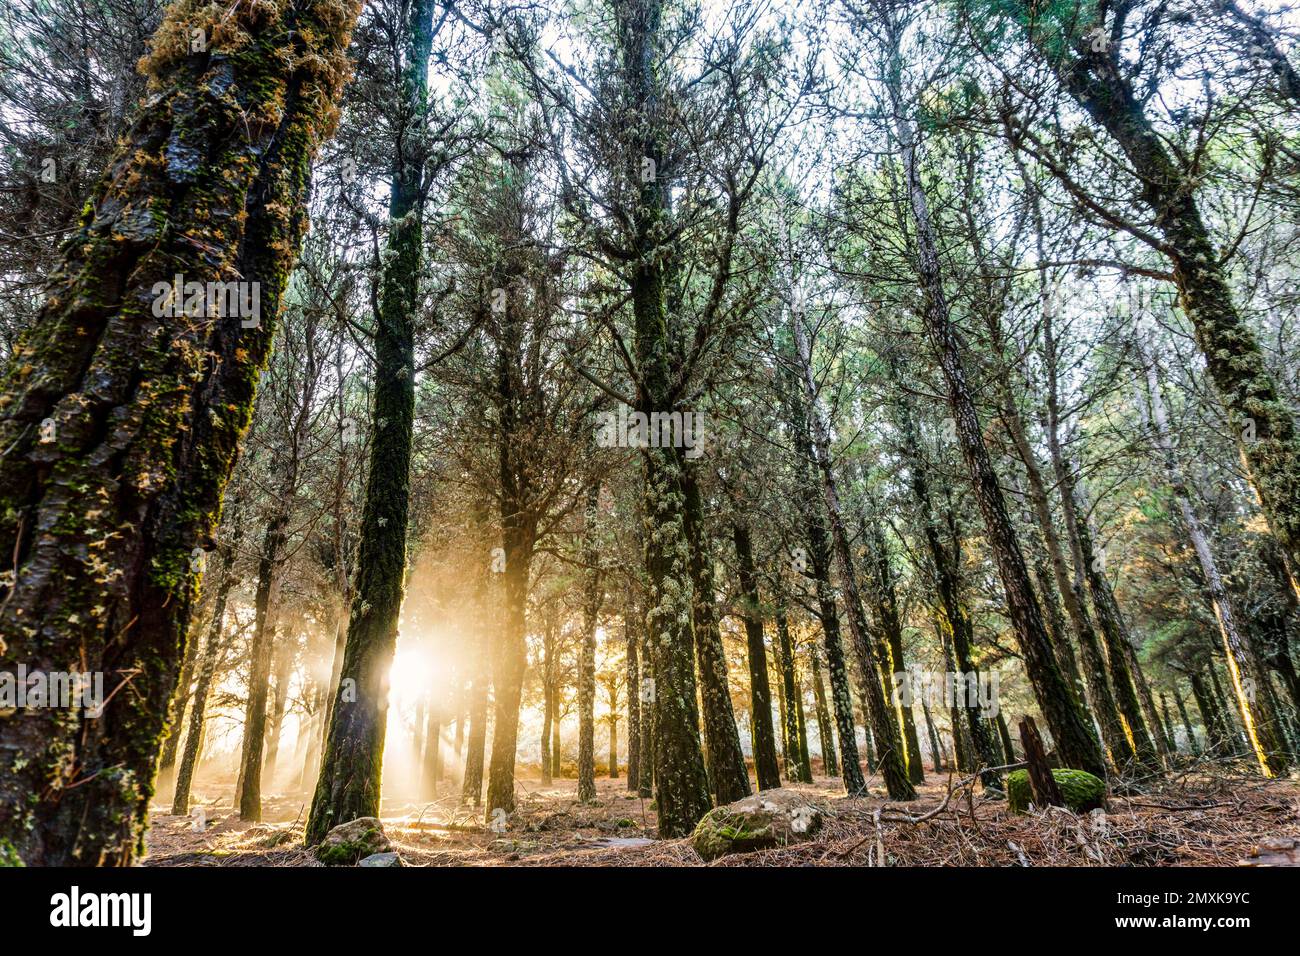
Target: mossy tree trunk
<point>352,762</point>
<point>592,595</point>
<point>825,732</point>
<point>760,690</point>
<point>884,600</point>
<point>893,767</point>
<point>952,620</point>
<point>681,783</point>
<point>207,667</point>
<point>100,524</point>
<point>728,775</point>
<point>1263,729</point>
<point>633,665</point>
<point>816,562</point>
<point>1065,717</point>
<point>1260,414</point>
<point>796,731</point>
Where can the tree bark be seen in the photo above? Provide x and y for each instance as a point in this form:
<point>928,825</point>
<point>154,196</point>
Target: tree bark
<point>825,732</point>
<point>681,783</point>
<point>630,629</point>
<point>760,691</point>
<point>892,766</point>
<point>148,413</point>
<point>1065,718</point>
<point>352,763</point>
<point>818,563</point>
<point>884,599</point>
<point>591,601</point>
<point>1259,719</point>
<point>726,761</point>
<point>207,669</point>
<point>266,609</point>
<point>952,621</point>
<point>1260,415</point>
<point>796,741</point>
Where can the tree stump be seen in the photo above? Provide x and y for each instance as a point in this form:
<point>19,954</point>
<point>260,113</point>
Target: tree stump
<point>1041,782</point>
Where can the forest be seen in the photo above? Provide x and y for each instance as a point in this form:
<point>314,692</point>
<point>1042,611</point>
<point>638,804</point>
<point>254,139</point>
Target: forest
<point>649,433</point>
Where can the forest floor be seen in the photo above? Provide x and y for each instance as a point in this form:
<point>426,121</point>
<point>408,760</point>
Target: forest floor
<point>1189,819</point>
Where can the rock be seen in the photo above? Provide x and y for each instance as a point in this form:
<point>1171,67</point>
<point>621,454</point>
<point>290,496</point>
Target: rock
<point>349,842</point>
<point>1274,851</point>
<point>770,818</point>
<point>1082,791</point>
<point>381,859</point>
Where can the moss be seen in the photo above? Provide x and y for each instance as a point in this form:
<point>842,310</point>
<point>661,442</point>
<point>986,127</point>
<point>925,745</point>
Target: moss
<point>9,855</point>
<point>1082,791</point>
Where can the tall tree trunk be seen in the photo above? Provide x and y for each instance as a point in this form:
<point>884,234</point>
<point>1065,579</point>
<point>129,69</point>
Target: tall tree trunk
<point>630,629</point>
<point>431,762</point>
<point>884,599</point>
<point>1100,694</point>
<point>1192,744</point>
<point>952,621</point>
<point>825,733</point>
<point>1260,720</point>
<point>1113,627</point>
<point>613,738</point>
<point>645,730</point>
<point>207,668</point>
<point>176,713</point>
<point>681,783</point>
<point>1260,415</point>
<point>548,702</point>
<point>1167,725</point>
<point>760,693</point>
<point>352,764</point>
<point>591,601</point>
<point>1008,748</point>
<point>1065,717</point>
<point>817,562</point>
<point>148,413</point>
<point>279,704</point>
<point>726,761</point>
<point>796,742</point>
<point>471,786</point>
<point>266,609</point>
<point>892,765</point>
<point>1220,737</point>
<point>935,754</point>
<point>510,661</point>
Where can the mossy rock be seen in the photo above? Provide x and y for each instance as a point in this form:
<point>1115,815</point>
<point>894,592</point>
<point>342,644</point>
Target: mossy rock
<point>349,842</point>
<point>1082,791</point>
<point>768,819</point>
